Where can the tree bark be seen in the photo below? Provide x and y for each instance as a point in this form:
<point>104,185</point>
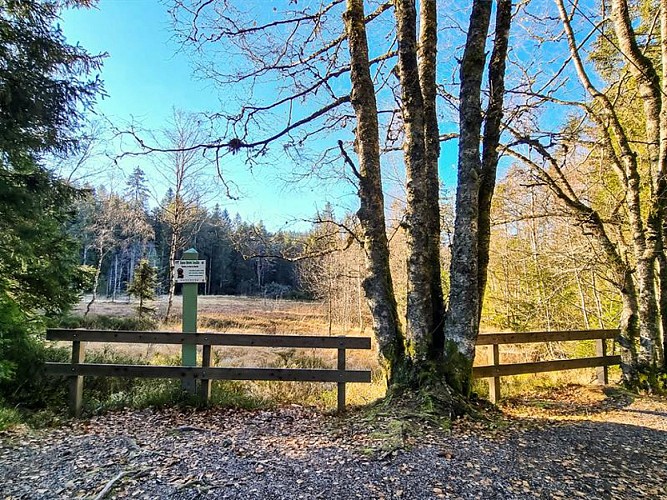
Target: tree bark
<point>661,185</point>
<point>647,239</point>
<point>462,322</point>
<point>492,129</point>
<point>422,219</point>
<point>644,237</point>
<point>378,282</point>
<point>427,52</point>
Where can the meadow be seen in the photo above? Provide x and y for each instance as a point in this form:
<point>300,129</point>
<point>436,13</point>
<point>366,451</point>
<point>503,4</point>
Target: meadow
<point>242,314</point>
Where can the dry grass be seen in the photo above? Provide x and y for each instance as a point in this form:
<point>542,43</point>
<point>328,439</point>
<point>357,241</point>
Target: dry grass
<point>229,314</point>
<point>516,385</point>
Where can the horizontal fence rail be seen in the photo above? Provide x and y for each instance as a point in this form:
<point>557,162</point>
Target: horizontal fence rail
<point>494,371</point>
<point>533,337</point>
<point>543,366</point>
<point>78,369</point>
<point>226,339</point>
<point>153,371</point>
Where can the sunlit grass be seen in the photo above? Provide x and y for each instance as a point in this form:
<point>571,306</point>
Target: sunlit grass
<point>258,315</point>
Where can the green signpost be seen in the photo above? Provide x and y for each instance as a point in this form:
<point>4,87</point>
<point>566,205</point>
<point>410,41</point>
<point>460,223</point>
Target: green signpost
<point>190,271</point>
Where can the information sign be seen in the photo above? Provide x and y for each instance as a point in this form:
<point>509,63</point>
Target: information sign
<point>190,271</point>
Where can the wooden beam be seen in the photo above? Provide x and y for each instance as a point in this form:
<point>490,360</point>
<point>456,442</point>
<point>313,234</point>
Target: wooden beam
<point>205,383</point>
<point>341,385</point>
<point>76,381</point>
<point>530,337</point>
<point>494,382</point>
<point>227,339</point>
<point>543,366</point>
<point>190,372</point>
<point>602,372</point>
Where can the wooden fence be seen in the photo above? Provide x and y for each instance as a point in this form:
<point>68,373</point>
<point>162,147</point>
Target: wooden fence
<point>494,371</point>
<point>78,368</point>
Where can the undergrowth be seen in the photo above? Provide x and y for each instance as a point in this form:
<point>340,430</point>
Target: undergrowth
<point>45,403</point>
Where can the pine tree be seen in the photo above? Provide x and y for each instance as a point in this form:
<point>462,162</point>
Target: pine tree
<point>143,285</point>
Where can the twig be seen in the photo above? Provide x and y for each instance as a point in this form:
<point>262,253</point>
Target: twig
<point>110,484</point>
<point>348,160</point>
<point>189,428</point>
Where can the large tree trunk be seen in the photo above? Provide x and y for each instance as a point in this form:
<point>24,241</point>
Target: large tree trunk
<point>647,240</point>
<point>462,322</point>
<point>661,185</point>
<point>378,284</point>
<point>629,328</point>
<point>492,124</point>
<point>427,51</point>
<point>424,294</point>
<point>614,139</point>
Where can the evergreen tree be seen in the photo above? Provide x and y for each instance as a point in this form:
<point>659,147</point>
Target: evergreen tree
<point>143,285</point>
<point>136,191</point>
<point>44,86</point>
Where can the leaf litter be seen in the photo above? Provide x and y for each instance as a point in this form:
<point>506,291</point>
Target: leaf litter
<point>576,442</point>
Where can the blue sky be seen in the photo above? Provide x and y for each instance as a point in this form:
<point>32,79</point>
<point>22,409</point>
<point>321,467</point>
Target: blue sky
<point>146,77</point>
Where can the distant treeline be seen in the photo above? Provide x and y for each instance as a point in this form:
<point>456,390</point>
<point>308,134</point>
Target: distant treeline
<point>117,230</point>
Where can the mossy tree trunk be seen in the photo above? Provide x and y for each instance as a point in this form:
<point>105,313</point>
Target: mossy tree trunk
<point>378,284</point>
<point>438,347</point>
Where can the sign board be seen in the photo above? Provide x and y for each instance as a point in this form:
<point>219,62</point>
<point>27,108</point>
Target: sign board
<point>190,271</point>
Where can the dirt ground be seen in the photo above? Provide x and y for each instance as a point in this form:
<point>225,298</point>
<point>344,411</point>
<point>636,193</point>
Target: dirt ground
<point>577,442</point>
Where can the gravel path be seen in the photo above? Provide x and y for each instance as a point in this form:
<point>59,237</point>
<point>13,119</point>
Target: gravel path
<point>547,448</point>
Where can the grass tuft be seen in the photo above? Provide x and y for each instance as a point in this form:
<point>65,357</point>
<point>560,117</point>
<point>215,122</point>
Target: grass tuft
<point>9,417</point>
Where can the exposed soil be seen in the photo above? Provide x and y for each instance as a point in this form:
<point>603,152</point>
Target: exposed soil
<point>575,442</point>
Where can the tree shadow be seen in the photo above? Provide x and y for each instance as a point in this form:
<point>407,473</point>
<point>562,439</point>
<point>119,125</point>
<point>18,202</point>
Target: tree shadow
<point>571,400</point>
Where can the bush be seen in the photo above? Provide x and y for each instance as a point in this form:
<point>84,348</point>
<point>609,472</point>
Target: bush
<point>8,417</point>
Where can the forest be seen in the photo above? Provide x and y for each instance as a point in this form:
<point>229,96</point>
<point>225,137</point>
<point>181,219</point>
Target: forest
<point>484,193</point>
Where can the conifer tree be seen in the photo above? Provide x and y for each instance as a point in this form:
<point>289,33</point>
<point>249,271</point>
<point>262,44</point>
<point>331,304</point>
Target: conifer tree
<point>143,285</point>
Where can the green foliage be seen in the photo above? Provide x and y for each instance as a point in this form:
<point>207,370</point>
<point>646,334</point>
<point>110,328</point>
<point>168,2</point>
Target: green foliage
<point>23,383</point>
<point>45,85</point>
<point>236,394</point>
<point>44,88</point>
<point>9,417</point>
<point>38,260</point>
<point>143,285</point>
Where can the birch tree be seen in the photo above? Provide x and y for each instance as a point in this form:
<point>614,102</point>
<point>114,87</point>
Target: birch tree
<point>183,171</point>
<point>105,232</point>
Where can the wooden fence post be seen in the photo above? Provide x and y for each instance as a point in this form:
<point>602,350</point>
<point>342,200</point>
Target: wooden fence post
<point>341,385</point>
<point>76,381</point>
<point>494,382</point>
<point>205,384</point>
<point>189,351</point>
<point>602,371</point>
